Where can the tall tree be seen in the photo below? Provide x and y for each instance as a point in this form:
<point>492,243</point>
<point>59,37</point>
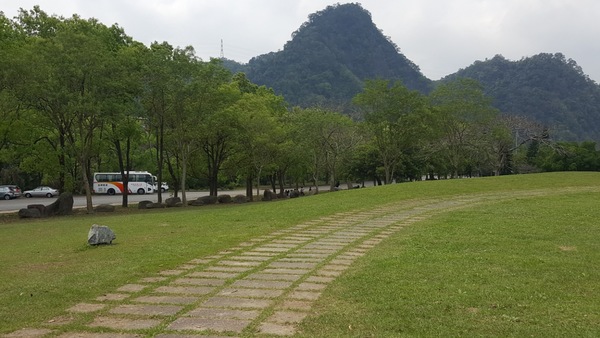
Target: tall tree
<point>465,116</point>
<point>394,115</point>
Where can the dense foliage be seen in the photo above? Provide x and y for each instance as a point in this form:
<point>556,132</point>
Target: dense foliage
<point>330,56</point>
<point>547,88</point>
<point>77,97</point>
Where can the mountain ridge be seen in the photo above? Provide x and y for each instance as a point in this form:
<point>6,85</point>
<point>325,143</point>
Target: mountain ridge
<point>331,55</point>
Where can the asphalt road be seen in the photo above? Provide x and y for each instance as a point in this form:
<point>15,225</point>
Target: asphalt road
<point>79,201</point>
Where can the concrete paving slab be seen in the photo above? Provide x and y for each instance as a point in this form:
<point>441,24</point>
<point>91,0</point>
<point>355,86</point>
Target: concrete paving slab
<point>320,279</point>
<point>295,304</point>
<point>304,295</point>
<point>286,271</point>
<point>187,267</point>
<point>184,300</point>
<point>309,254</point>
<point>241,303</point>
<point>261,284</point>
<point>98,335</point>
<point>199,281</point>
<point>274,276</point>
<point>200,261</point>
<point>153,279</point>
<point>112,297</point>
<point>171,335</point>
<point>214,274</point>
<point>277,329</point>
<point>295,242</point>
<point>250,293</point>
<point>280,245</point>
<point>287,317</point>
<point>335,267</point>
<point>239,263</point>
<point>223,313</point>
<point>119,323</point>
<point>260,253</point>
<point>204,324</point>
<point>132,288</point>
<point>306,286</point>
<point>293,265</point>
<point>86,308</point>
<point>339,261</point>
<point>300,260</point>
<point>146,310</point>
<point>171,272</point>
<point>191,290</point>
<point>228,268</point>
<point>251,258</point>
<point>28,333</point>
<point>270,249</point>
<point>328,273</point>
<point>299,238</point>
<point>317,251</point>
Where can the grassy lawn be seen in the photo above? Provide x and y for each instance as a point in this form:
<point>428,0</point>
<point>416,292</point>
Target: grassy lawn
<point>523,266</point>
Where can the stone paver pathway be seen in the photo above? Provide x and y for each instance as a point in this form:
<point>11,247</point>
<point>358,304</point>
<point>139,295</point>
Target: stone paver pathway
<point>264,286</point>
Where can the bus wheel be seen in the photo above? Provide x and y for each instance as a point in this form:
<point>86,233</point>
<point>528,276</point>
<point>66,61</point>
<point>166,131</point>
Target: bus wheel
<point>141,191</point>
<point>110,191</point>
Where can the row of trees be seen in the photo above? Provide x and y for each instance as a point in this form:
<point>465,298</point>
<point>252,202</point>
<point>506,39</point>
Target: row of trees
<point>77,96</point>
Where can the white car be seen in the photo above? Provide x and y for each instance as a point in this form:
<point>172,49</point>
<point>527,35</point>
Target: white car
<point>163,187</point>
<point>41,192</point>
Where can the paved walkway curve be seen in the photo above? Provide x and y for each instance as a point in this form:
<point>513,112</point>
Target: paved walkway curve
<point>264,286</point>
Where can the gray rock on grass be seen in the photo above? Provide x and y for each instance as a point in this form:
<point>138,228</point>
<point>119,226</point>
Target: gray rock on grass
<point>100,234</point>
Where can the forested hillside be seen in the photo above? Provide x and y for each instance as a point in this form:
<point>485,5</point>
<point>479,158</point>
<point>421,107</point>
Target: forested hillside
<point>547,88</point>
<point>329,57</point>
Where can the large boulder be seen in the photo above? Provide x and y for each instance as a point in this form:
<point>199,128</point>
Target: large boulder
<point>294,193</point>
<point>173,202</point>
<point>208,199</point>
<point>268,195</point>
<point>40,207</point>
<point>144,204</point>
<point>30,213</point>
<point>104,208</point>
<point>196,202</point>
<point>224,199</point>
<point>240,199</point>
<point>155,206</point>
<point>62,206</point>
<point>100,234</point>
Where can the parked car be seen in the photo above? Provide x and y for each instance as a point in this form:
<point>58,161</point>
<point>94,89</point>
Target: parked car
<point>163,187</point>
<point>7,192</point>
<point>15,189</point>
<point>41,192</point>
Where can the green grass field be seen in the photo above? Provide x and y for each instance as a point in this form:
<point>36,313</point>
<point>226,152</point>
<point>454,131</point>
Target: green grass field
<point>521,260</point>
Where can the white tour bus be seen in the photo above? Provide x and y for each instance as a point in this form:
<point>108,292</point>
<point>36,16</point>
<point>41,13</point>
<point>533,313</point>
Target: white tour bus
<point>140,182</point>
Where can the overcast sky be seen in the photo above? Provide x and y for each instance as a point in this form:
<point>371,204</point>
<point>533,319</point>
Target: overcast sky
<point>440,36</point>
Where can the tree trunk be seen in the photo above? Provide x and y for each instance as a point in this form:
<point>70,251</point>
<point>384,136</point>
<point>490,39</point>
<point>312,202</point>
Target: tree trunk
<point>86,186</point>
<point>249,182</point>
<point>281,185</point>
<point>183,176</point>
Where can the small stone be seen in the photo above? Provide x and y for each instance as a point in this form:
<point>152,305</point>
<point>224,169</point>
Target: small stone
<point>100,234</point>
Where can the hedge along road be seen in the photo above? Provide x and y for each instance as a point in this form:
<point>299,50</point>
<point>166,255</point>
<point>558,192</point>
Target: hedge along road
<point>7,206</point>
